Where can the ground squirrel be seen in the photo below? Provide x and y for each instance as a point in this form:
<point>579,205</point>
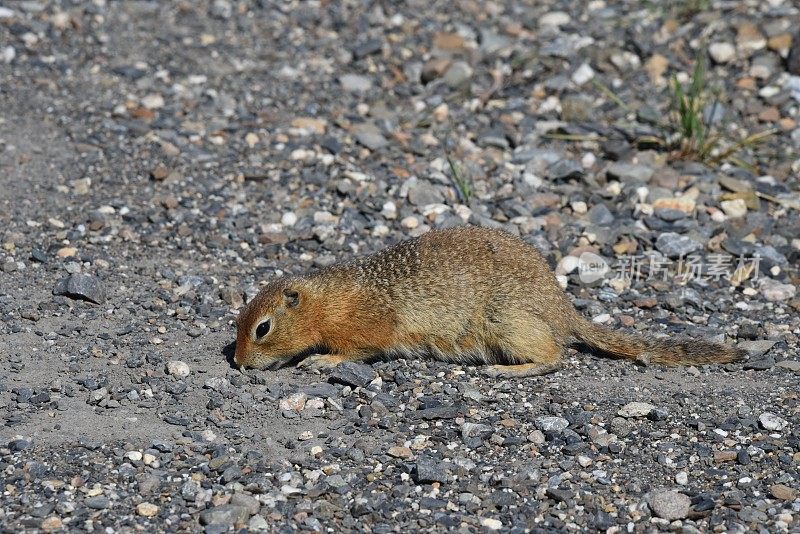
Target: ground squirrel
<point>467,295</point>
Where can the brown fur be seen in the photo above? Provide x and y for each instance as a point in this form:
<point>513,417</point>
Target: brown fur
<point>467,294</point>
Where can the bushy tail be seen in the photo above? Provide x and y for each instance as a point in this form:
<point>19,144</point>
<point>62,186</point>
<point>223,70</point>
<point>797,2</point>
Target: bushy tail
<point>668,351</point>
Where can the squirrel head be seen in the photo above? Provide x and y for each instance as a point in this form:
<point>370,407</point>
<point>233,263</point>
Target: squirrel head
<point>276,326</point>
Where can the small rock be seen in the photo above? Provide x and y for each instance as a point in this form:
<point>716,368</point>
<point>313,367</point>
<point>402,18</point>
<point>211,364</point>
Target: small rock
<point>429,470</point>
<point>81,286</point>
<point>227,514</point>
<point>791,365</point>
<point>470,430</point>
<point>491,523</point>
<point>370,136</point>
<point>735,209</point>
<point>675,245</point>
<point>99,502</point>
<point>582,75</point>
<point>600,215</point>
<point>770,421</point>
<point>555,18</point>
<point>352,374</point>
<point>670,505</point>
<point>294,402</point>
<point>355,83</point>
<point>775,291</point>
<point>424,193</point>
<point>146,509</point>
<point>565,169</point>
<point>636,409</point>
<point>178,368</point>
<point>399,452</point>
<point>458,73</point>
<point>722,52</point>
<point>629,172</point>
<point>551,424</point>
<point>783,492</point>
<point>756,347</point>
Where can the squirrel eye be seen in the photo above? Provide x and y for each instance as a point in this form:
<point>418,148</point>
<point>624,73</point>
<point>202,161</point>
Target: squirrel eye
<point>263,329</point>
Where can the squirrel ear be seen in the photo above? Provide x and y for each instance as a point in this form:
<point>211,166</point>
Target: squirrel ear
<point>291,297</point>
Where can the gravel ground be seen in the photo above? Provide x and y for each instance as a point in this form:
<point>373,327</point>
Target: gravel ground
<point>160,160</point>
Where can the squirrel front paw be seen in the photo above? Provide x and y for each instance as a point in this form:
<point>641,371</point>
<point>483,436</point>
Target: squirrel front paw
<point>320,362</point>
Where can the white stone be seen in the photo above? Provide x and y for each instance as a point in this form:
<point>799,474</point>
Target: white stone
<point>722,52</point>
<point>491,523</point>
<point>153,101</point>
<point>583,74</point>
<point>554,18</point>
<point>636,409</point>
<point>735,209</point>
<point>772,422</point>
<point>178,368</point>
<point>134,456</point>
<point>289,218</point>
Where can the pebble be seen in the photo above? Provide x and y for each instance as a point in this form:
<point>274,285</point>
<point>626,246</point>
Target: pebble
<point>783,492</point>
<point>355,83</point>
<point>81,286</point>
<point>99,502</point>
<point>146,509</point>
<point>670,505</point>
<point>636,409</point>
<point>775,291</point>
<point>722,52</point>
<point>675,245</point>
<point>459,73</point>
<point>178,368</point>
<point>428,470</point>
<point>551,424</point>
<point>226,514</point>
<point>491,523</point>
<point>555,18</point>
<point>770,421</point>
<point>352,374</point>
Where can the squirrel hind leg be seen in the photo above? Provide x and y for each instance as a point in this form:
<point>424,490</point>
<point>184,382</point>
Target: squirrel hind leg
<point>529,348</point>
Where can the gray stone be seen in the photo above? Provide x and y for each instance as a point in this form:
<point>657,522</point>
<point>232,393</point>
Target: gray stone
<point>250,503</point>
<point>636,409</point>
<point>564,169</point>
<point>321,390</point>
<point>629,172</point>
<point>438,412</point>
<point>790,365</point>
<point>370,136</point>
<point>551,424</point>
<point>670,505</point>
<point>459,72</point>
<point>227,514</point>
<point>793,60</point>
<point>352,374</point>
<point>429,470</point>
<point>675,245</point>
<point>600,214</point>
<point>470,430</point>
<point>367,48</point>
<point>99,502</point>
<point>81,286</point>
<point>424,193</point>
<point>355,83</point>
